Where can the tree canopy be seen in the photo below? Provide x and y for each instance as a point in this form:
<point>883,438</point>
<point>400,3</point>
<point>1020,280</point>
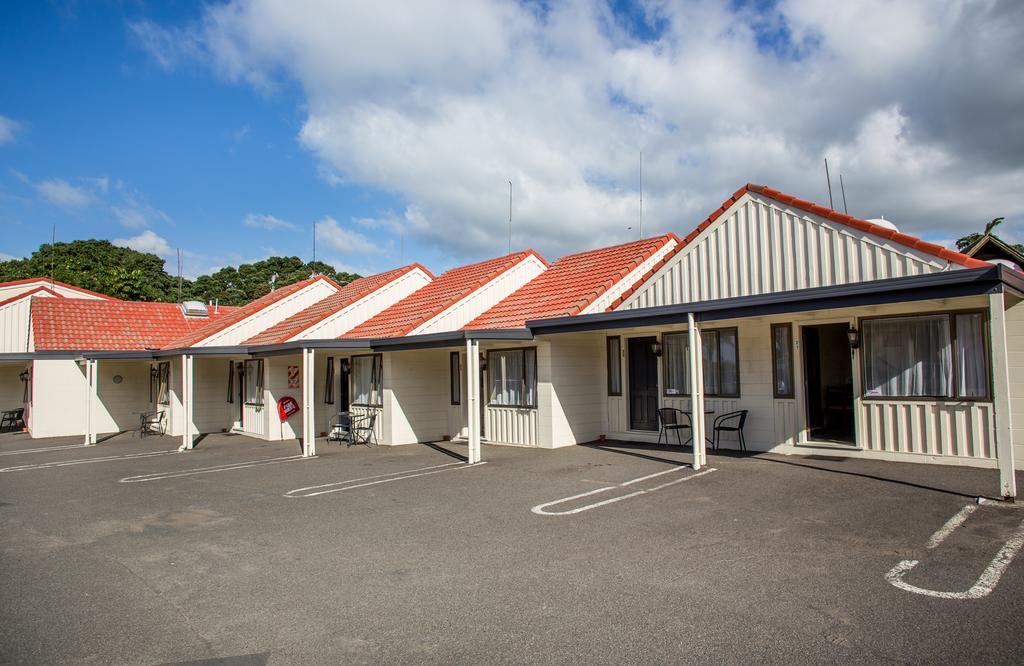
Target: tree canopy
<point>964,243</point>
<point>139,276</point>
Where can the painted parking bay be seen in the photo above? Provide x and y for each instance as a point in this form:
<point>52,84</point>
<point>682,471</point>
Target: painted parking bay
<point>967,556</point>
<point>629,489</point>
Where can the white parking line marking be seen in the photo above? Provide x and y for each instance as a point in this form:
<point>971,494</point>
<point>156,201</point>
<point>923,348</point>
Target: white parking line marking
<point>43,449</point>
<point>541,509</point>
<point>989,577</point>
<point>226,467</point>
<point>86,461</point>
<point>340,486</point>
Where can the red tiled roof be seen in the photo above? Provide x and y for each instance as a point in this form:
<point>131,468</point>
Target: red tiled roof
<point>93,324</point>
<point>47,281</point>
<point>243,312</point>
<point>821,211</point>
<point>29,294</point>
<point>571,284</point>
<point>433,299</point>
<point>350,293</point>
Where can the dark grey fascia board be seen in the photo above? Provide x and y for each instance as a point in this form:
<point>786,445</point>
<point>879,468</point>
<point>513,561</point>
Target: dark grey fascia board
<point>296,347</point>
<point>1014,280</point>
<point>17,356</point>
<point>112,355</point>
<point>234,350</point>
<point>449,339</point>
<point>948,284</point>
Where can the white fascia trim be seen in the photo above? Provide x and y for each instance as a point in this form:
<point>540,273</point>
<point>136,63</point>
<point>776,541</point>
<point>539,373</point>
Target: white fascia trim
<point>608,297</point>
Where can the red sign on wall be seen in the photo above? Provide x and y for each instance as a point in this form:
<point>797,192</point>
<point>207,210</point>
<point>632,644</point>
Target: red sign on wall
<point>287,406</point>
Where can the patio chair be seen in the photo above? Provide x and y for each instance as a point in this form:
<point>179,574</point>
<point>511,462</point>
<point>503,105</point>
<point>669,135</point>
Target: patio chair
<point>152,423</point>
<point>362,430</point>
<point>12,420</point>
<point>731,422</point>
<point>340,428</point>
<point>672,419</point>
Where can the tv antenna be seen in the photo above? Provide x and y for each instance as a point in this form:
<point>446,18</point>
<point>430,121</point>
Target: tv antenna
<point>641,194</point>
<point>829,181</point>
<point>510,217</point>
<point>842,189</point>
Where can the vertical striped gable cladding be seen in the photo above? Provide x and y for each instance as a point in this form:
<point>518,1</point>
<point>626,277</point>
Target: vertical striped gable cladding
<point>72,324</point>
<point>449,289</point>
<point>17,287</point>
<point>572,283</point>
<point>344,297</point>
<point>239,315</point>
<point>690,287</point>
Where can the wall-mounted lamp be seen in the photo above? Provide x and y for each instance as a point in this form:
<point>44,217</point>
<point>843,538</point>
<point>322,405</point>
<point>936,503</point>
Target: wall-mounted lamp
<point>153,372</point>
<point>483,363</point>
<point>656,348</point>
<point>853,335</point>
<point>23,376</point>
<point>345,365</point>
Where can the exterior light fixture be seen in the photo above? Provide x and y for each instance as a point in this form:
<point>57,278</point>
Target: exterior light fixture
<point>153,372</point>
<point>656,348</point>
<point>23,376</point>
<point>483,363</point>
<point>345,365</point>
<point>853,335</point>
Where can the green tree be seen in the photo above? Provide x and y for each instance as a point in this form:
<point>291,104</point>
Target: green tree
<point>131,275</point>
<point>965,243</point>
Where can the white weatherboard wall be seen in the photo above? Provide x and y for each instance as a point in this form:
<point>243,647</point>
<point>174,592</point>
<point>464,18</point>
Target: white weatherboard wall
<point>415,396</point>
<point>12,290</point>
<point>349,317</point>
<point>936,431</point>
<point>212,412</point>
<point>59,409</point>
<point>602,302</point>
<point>760,246</point>
<point>1015,351</point>
<point>572,383</point>
<point>484,298</point>
<point>15,318</point>
<point>276,379</point>
<point>270,315</point>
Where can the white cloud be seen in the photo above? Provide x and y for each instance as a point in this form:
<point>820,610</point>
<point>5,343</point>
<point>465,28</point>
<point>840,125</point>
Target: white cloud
<point>332,235</point>
<point>64,194</point>
<point>914,102</point>
<point>7,257</point>
<point>8,128</point>
<point>268,222</point>
<point>147,241</point>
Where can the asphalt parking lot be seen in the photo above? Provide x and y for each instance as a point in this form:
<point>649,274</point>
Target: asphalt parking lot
<point>241,552</point>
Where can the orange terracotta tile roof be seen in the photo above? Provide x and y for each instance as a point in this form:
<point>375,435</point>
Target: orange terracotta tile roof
<point>28,294</point>
<point>243,312</point>
<point>571,284</point>
<point>43,281</point>
<point>433,299</point>
<point>349,294</point>
<point>821,211</point>
<point>81,324</point>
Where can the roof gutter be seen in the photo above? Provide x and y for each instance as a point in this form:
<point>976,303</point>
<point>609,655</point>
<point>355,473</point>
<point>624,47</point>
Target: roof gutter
<point>947,284</point>
<point>449,338</point>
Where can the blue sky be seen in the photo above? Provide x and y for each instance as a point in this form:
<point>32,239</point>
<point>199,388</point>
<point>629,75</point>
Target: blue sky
<point>228,128</point>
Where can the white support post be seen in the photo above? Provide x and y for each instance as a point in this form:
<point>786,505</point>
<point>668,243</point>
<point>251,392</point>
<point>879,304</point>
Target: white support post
<point>308,402</point>
<point>187,406</point>
<point>91,367</point>
<point>473,399</point>
<point>696,392</point>
<point>1001,396</point>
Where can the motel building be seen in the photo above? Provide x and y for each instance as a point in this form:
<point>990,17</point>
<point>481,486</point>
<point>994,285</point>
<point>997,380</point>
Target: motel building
<point>823,333</point>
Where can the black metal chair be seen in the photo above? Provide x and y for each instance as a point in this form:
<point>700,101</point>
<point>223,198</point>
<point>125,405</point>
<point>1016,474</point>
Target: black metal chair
<point>730,422</point>
<point>340,428</point>
<point>12,420</point>
<point>672,419</point>
<point>362,430</point>
<point>152,423</point>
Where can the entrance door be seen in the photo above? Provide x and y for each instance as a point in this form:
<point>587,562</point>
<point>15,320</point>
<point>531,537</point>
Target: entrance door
<point>828,383</point>
<point>643,384</point>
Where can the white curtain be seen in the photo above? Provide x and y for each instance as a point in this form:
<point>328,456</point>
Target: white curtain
<point>908,357</point>
<point>972,370</point>
<point>513,377</point>
<point>366,380</point>
<point>677,363</point>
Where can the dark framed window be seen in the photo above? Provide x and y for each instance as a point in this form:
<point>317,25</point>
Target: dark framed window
<point>928,356</point>
<point>782,361</point>
<point>254,382</point>
<point>614,348</point>
<point>163,386</point>
<point>329,382</point>
<point>513,377</point>
<point>455,378</point>
<point>720,362</point>
<point>231,381</point>
<point>367,376</point>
